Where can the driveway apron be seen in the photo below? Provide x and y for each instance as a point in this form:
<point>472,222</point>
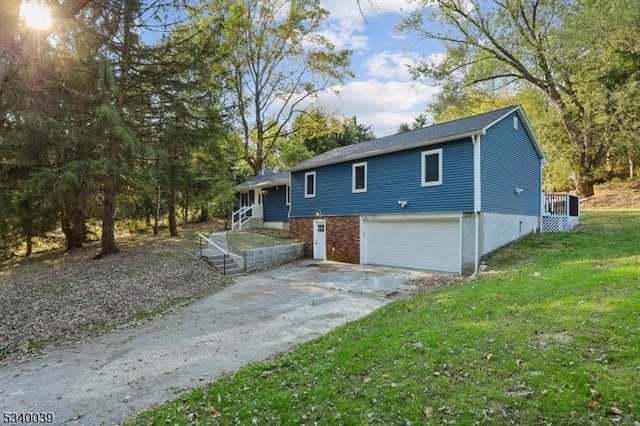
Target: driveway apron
<point>109,379</point>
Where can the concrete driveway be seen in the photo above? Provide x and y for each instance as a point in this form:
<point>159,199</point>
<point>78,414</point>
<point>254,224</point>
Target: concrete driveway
<point>111,378</point>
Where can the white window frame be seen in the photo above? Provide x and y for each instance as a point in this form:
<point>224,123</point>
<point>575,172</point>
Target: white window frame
<point>306,185</point>
<point>353,177</point>
<point>287,194</point>
<point>424,165</point>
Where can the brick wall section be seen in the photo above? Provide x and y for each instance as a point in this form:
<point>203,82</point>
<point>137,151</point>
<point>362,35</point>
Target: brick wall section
<point>301,228</point>
<point>343,236</point>
<point>343,239</point>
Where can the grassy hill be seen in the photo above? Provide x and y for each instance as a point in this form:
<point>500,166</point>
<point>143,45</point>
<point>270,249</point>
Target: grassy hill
<point>550,335</point>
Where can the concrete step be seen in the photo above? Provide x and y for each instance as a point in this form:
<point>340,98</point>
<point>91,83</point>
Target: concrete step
<point>218,262</point>
<point>232,271</point>
<point>219,259</point>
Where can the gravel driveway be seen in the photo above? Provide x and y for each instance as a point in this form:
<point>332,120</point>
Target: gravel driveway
<point>111,378</point>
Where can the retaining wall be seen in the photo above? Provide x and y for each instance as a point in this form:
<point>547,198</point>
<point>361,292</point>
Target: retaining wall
<point>260,258</point>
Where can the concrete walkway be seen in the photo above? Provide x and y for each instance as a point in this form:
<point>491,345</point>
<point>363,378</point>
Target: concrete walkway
<point>111,378</point>
<point>220,238</point>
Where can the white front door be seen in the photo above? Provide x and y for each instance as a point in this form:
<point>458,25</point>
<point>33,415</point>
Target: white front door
<point>320,239</point>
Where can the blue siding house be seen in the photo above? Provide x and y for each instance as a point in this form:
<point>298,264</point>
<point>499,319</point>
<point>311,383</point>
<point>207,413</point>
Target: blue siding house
<point>263,201</point>
<point>439,198</point>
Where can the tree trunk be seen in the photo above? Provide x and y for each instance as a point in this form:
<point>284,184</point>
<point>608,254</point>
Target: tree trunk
<point>173,190</point>
<point>156,220</point>
<point>29,235</point>
<point>77,230</point>
<point>108,239</point>
<point>204,213</point>
<point>74,232</point>
<point>29,246</point>
<point>585,188</point>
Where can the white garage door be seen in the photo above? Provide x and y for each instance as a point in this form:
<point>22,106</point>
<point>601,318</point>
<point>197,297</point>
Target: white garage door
<point>432,244</point>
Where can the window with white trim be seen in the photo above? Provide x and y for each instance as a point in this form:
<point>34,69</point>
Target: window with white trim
<point>359,177</point>
<point>309,184</point>
<point>432,167</point>
<point>287,191</point>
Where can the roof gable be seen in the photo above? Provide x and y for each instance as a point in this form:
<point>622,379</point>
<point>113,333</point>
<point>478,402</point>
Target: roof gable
<point>438,133</point>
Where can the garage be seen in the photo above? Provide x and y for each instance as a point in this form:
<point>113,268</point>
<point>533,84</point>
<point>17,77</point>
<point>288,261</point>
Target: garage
<point>431,244</point>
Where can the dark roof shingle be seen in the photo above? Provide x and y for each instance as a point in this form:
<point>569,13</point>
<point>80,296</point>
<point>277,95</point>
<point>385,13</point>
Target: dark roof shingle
<point>443,132</point>
<point>265,181</point>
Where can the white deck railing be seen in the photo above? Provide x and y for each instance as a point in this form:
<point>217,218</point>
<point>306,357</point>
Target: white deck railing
<point>245,214</point>
<point>560,212</point>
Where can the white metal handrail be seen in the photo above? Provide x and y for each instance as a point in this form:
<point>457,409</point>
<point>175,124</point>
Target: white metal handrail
<point>240,213</point>
<point>224,255</point>
<point>202,237</point>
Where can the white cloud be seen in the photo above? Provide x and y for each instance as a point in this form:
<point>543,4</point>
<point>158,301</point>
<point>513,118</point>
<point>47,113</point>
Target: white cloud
<point>383,96</point>
<point>348,22</point>
<point>348,9</point>
<point>382,105</point>
<point>346,34</point>
<point>388,65</point>
<point>435,58</point>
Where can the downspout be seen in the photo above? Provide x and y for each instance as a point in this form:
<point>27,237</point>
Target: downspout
<point>540,206</point>
<point>477,199</point>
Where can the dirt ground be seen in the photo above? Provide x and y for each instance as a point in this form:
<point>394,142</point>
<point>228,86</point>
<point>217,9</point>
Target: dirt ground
<point>613,196</point>
<point>60,298</point>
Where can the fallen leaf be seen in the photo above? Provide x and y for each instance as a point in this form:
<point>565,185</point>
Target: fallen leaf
<point>445,410</point>
<point>428,412</point>
<point>614,411</point>
<point>594,405</point>
<point>489,356</point>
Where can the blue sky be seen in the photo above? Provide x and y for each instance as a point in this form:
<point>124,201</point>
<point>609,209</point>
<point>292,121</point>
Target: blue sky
<point>382,94</point>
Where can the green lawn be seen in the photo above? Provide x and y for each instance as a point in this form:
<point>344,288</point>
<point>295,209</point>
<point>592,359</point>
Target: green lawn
<point>550,337</point>
<point>240,241</point>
